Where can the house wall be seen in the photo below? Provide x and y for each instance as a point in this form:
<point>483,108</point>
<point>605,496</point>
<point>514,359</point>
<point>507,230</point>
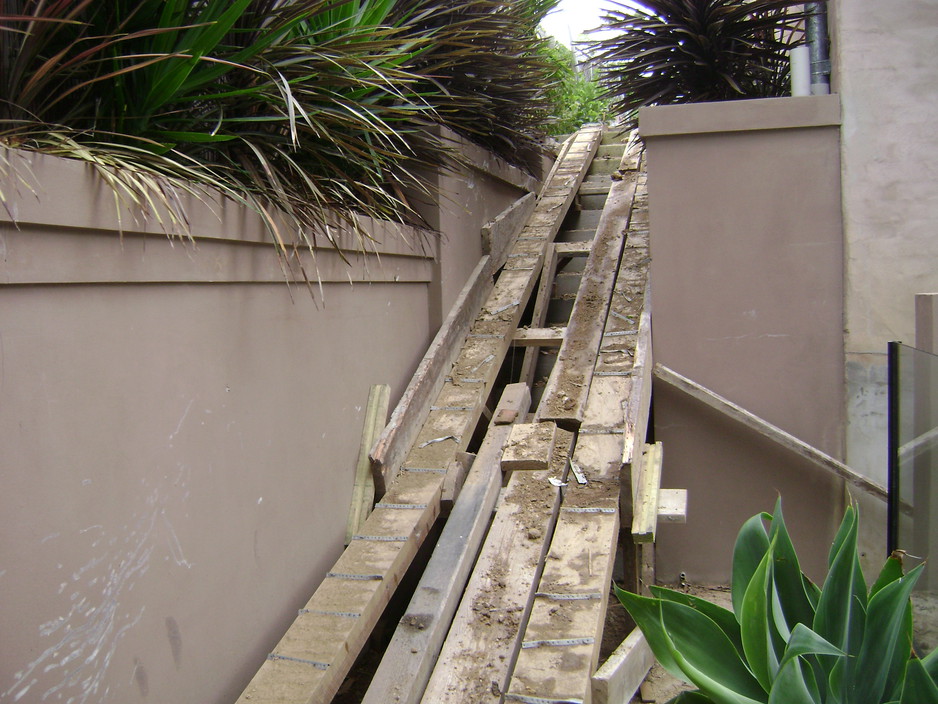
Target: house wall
<point>180,428</point>
<point>887,77</point>
<point>888,80</point>
<point>747,290</point>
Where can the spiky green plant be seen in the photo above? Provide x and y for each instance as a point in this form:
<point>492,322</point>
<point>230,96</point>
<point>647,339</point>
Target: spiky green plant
<point>304,110</point>
<point>787,641</point>
<point>683,51</point>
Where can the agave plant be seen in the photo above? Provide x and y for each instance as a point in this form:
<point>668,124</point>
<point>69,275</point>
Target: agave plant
<point>786,640</point>
<point>685,51</point>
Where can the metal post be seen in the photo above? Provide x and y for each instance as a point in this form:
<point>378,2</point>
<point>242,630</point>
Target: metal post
<point>892,441</point>
<point>816,30</point>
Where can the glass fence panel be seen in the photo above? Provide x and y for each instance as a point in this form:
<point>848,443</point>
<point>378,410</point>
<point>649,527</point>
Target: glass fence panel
<point>913,474</point>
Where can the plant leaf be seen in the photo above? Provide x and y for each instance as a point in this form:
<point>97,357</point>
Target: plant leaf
<point>707,656</point>
<point>887,641</point>
<point>751,545</point>
<point>754,623</point>
<point>724,618</point>
<point>919,687</point>
<point>792,687</point>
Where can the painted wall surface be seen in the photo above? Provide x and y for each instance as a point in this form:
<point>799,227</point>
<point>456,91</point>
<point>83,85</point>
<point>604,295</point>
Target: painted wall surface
<point>887,77</point>
<point>747,290</point>
<point>180,432</point>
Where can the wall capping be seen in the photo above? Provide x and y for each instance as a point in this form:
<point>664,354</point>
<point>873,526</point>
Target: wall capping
<point>740,116</point>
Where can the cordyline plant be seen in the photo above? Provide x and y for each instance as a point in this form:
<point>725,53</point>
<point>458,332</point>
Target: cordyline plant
<point>787,641</point>
<point>305,110</point>
<point>685,51</point>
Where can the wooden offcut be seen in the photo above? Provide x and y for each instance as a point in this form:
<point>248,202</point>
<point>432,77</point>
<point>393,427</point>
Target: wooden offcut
<point>623,673</point>
<point>530,446</point>
<point>645,520</point>
<point>363,491</point>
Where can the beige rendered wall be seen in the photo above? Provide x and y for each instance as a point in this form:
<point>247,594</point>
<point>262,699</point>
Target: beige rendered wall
<point>180,431</point>
<point>887,77</point>
<point>747,290</point>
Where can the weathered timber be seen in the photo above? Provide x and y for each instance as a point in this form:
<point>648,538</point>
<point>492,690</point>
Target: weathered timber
<point>539,337</point>
<point>623,673</point>
<point>539,314</point>
<point>363,491</point>
<point>499,234</point>
<point>636,417</point>
<point>581,248</point>
<point>672,506</point>
<point>568,385</point>
<point>406,665</point>
<point>455,478</point>
<point>568,614</point>
<point>529,446</point>
<point>645,520</point>
<point>772,432</point>
<point>484,639</point>
<point>365,576</point>
<point>414,406</point>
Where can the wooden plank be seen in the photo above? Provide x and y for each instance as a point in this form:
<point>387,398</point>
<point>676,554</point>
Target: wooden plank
<point>530,446</point>
<point>363,579</point>
<point>363,492</point>
<point>539,337</point>
<point>406,665</point>
<point>574,249</point>
<point>672,506</point>
<point>539,314</point>
<point>414,406</point>
<point>645,518</point>
<point>479,652</point>
<point>623,673</point>
<point>639,406</point>
<point>568,385</point>
<point>455,478</point>
<point>498,235</point>
<point>772,432</point>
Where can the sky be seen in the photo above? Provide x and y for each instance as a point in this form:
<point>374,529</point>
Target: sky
<point>572,18</point>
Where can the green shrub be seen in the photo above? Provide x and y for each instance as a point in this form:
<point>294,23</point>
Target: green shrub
<point>574,97</point>
<point>787,641</point>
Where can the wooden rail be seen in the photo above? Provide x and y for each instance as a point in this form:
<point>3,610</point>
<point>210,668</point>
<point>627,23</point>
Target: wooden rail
<point>772,432</point>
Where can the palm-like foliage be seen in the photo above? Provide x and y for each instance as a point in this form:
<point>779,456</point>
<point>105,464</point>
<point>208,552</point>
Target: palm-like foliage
<point>305,108</point>
<point>685,51</point>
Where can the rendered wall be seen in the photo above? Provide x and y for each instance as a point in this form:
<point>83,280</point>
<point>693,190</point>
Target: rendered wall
<point>180,431</point>
<point>888,80</point>
<point>747,291</point>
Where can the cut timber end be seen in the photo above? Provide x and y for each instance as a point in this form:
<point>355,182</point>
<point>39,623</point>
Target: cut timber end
<point>363,493</point>
<point>672,506</point>
<point>530,446</point>
<point>645,520</point>
<point>623,673</point>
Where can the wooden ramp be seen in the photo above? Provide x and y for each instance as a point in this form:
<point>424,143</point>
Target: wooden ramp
<point>316,653</point>
<point>511,605</point>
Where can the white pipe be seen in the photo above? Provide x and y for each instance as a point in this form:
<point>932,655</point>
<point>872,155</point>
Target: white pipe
<point>800,58</point>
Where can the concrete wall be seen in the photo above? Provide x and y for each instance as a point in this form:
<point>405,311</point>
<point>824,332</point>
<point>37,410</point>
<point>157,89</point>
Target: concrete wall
<point>747,281</point>
<point>887,76</point>
<point>180,430</point>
